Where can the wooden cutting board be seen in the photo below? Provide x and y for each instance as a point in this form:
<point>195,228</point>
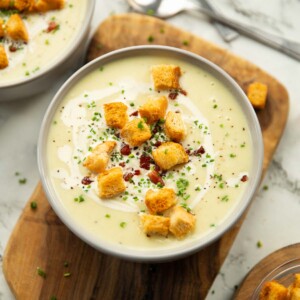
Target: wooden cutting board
<point>41,240</point>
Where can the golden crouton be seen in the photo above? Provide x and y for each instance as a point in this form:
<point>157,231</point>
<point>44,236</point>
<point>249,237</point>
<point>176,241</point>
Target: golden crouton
<point>296,282</point>
<point>294,294</point>
<point>111,183</point>
<point>257,94</point>
<point>169,154</point>
<point>166,77</point>
<point>136,132</point>
<point>97,161</point>
<point>153,110</point>
<point>6,4</point>
<point>115,114</point>
<point>16,29</point>
<point>174,126</point>
<point>273,290</point>
<point>46,5</point>
<point>1,28</point>
<point>3,58</point>
<point>161,200</point>
<point>181,221</point>
<point>20,5</point>
<point>155,224</point>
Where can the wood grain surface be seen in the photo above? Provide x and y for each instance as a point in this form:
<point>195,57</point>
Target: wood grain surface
<point>41,240</point>
<point>267,265</point>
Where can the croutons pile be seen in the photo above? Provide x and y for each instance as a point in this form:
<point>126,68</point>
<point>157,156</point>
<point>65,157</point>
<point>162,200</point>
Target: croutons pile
<point>272,290</point>
<point>14,29</point>
<point>164,215</point>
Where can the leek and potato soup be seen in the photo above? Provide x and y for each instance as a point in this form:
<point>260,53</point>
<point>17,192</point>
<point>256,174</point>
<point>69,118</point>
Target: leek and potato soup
<point>148,152</point>
<point>34,36</point>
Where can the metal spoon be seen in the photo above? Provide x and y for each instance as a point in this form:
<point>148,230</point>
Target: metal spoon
<point>164,9</point>
<point>168,8</point>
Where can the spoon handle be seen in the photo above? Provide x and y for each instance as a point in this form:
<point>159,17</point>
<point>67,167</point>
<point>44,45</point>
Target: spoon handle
<point>281,44</point>
<point>227,33</point>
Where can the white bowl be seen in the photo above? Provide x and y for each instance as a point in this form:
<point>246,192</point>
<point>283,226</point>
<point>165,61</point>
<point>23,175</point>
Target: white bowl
<point>69,59</point>
<point>183,249</point>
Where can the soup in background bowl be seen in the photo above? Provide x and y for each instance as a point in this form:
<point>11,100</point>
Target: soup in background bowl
<point>37,44</point>
<point>150,153</point>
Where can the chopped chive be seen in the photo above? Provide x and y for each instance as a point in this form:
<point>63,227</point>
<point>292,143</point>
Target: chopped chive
<point>33,205</point>
<point>140,125</point>
<point>123,224</point>
<point>259,244</point>
<point>150,38</point>
<point>41,272</point>
<point>22,181</point>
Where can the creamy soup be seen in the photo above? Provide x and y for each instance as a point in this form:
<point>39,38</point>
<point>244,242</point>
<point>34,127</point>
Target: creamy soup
<point>210,185</point>
<point>50,35</point>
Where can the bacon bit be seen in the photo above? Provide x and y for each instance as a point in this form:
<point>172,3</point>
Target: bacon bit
<point>201,150</point>
<point>52,26</point>
<point>183,92</point>
<point>128,176</point>
<point>12,48</point>
<point>137,172</point>
<point>188,151</point>
<point>86,180</point>
<point>155,178</point>
<point>122,164</point>
<point>145,161</point>
<point>244,178</point>
<point>157,144</point>
<point>173,95</point>
<point>157,168</point>
<point>125,150</point>
<point>117,134</point>
<point>135,114</point>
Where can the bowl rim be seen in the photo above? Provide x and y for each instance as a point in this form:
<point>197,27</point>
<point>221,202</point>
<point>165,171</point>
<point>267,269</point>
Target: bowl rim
<point>71,48</point>
<point>172,253</point>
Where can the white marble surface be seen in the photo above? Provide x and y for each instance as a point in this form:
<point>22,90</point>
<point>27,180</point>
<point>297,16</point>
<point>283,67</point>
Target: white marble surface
<point>274,215</point>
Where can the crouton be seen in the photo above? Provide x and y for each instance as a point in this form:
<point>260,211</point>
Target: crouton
<point>161,200</point>
<point>20,5</point>
<point>174,126</point>
<point>257,94</point>
<point>115,114</point>
<point>273,290</point>
<point>153,110</point>
<point>46,5</point>
<point>153,225</point>
<point>16,29</point>
<point>166,77</point>
<point>1,28</point>
<point>136,132</point>
<point>296,282</point>
<point>181,221</point>
<point>97,161</point>
<point>6,4</point>
<point>169,154</point>
<point>3,58</point>
<point>111,183</point>
<point>294,294</point>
